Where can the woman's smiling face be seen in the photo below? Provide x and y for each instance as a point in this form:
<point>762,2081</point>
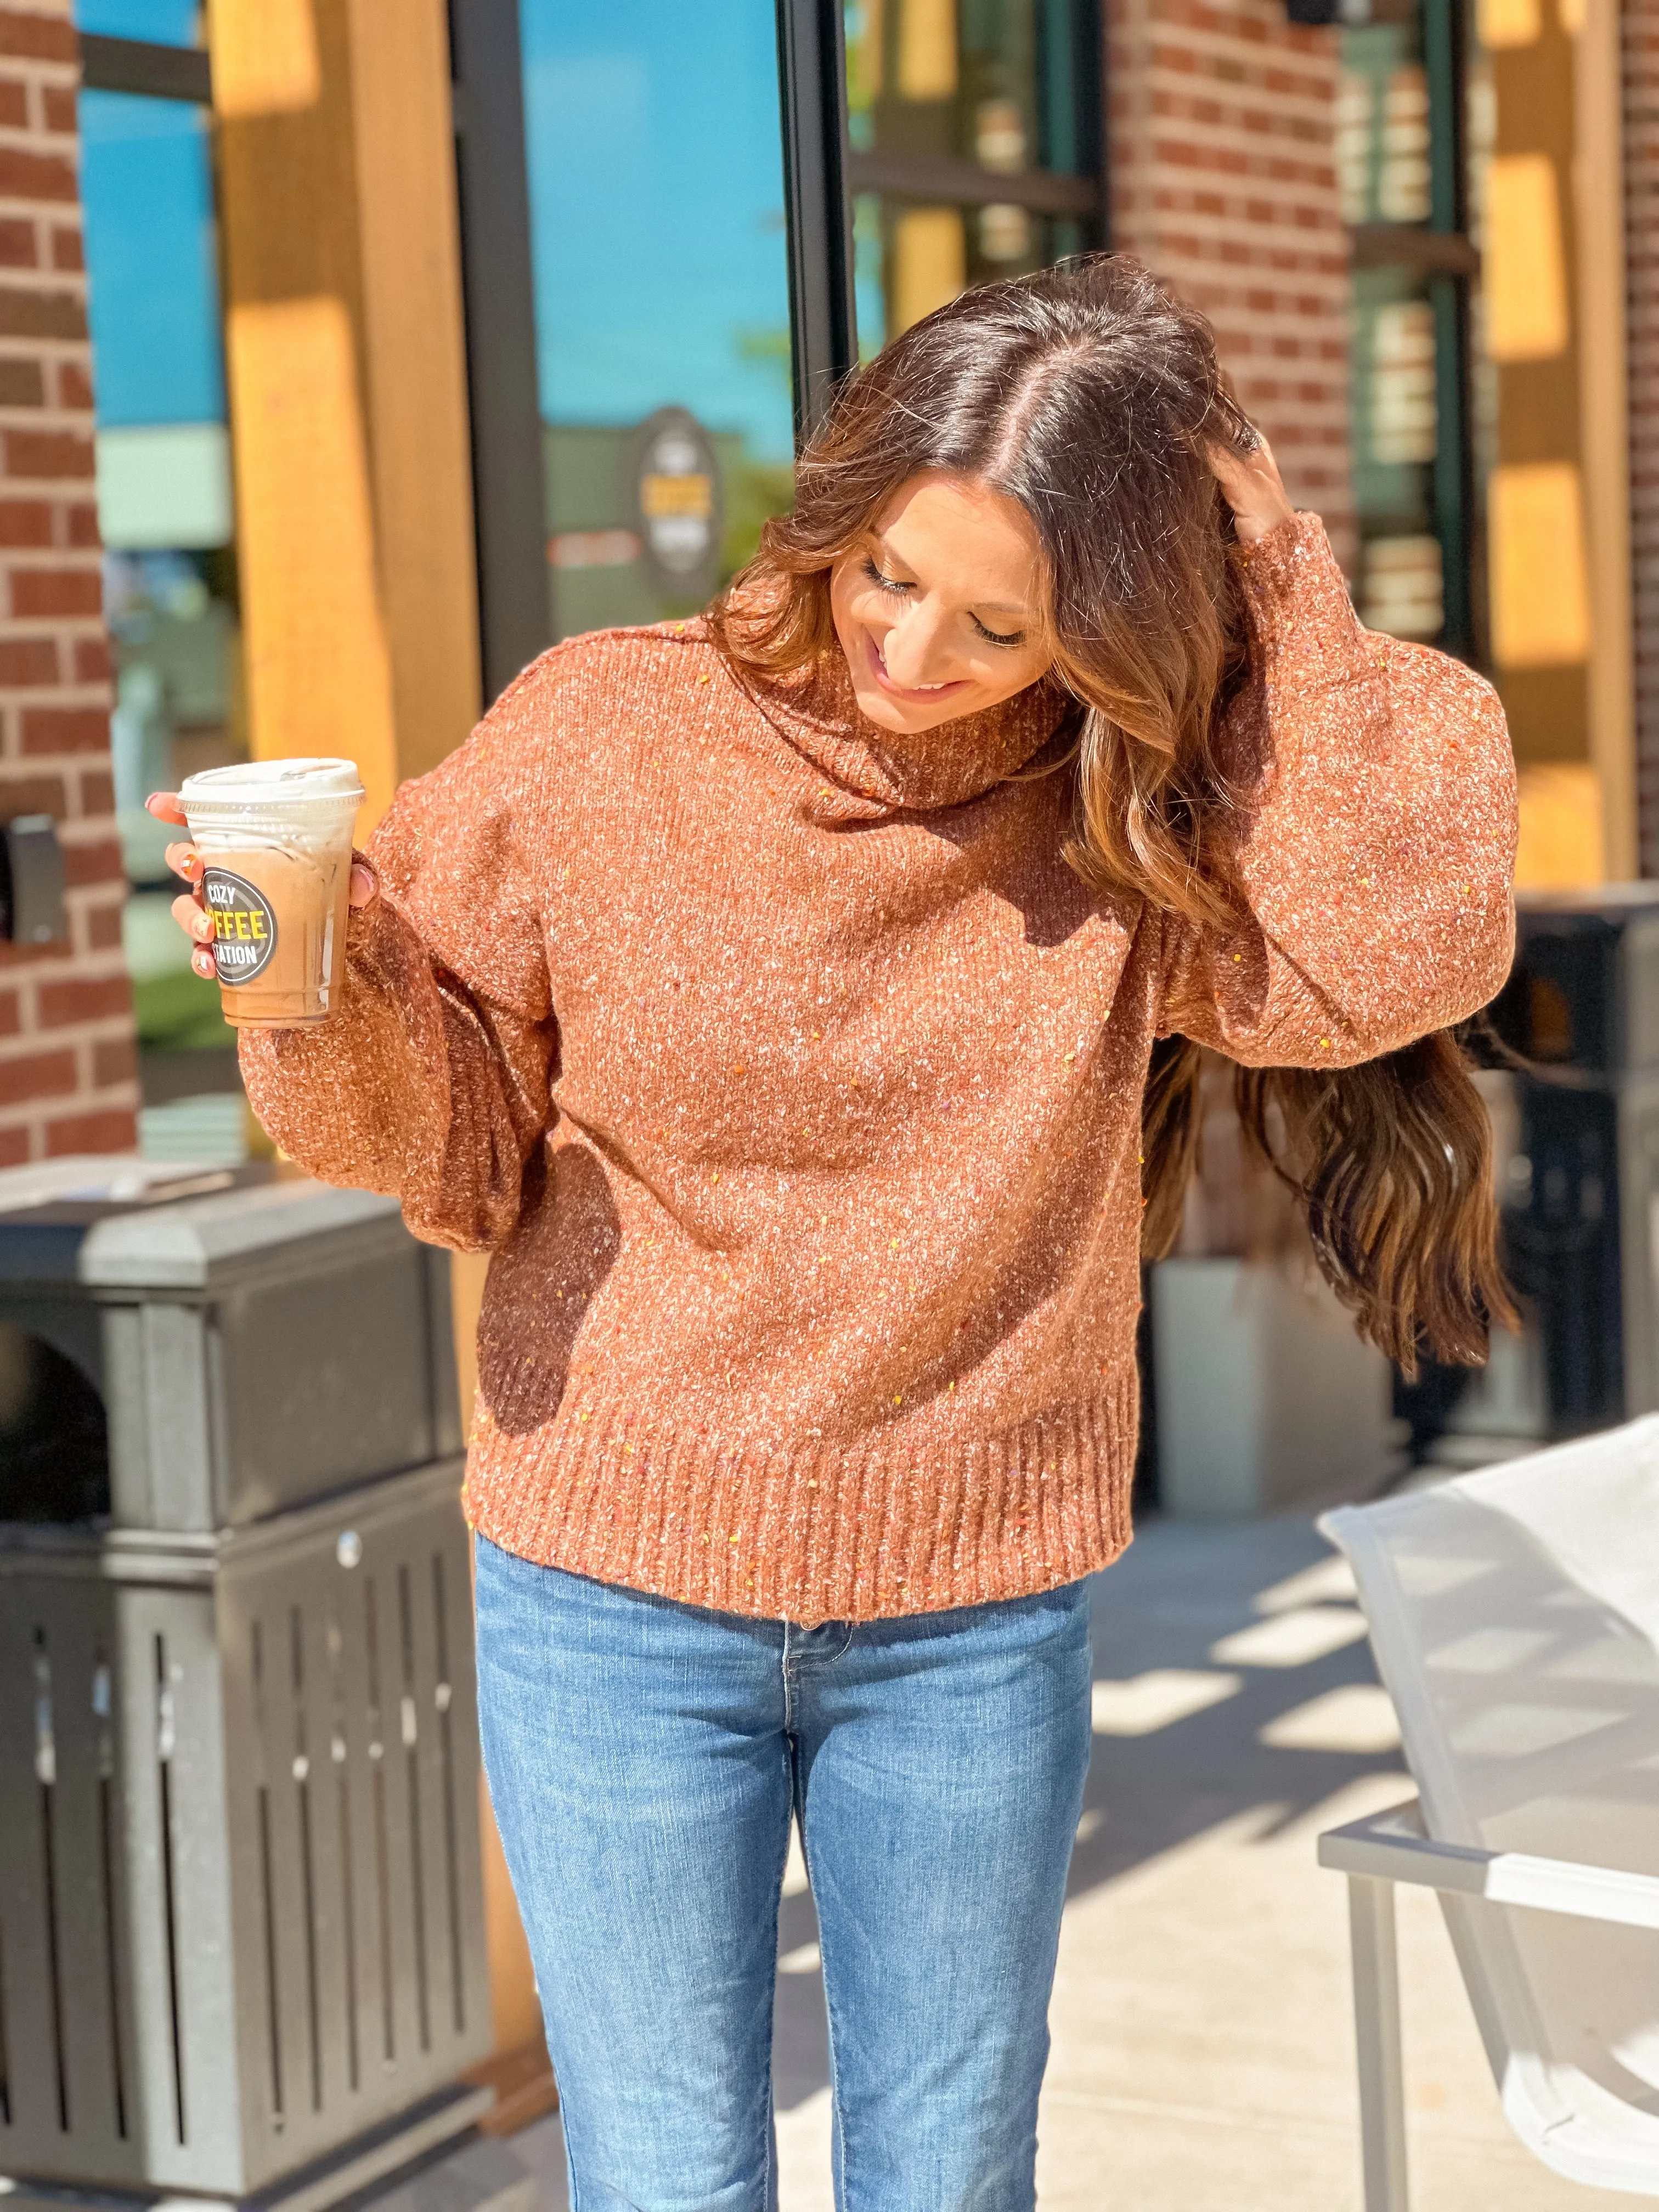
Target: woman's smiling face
<point>940,609</point>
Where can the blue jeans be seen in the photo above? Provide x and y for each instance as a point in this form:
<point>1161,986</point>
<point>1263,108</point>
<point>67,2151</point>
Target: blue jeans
<point>645,1758</point>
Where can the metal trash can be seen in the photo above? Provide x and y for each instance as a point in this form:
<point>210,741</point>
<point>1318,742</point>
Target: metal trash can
<point>1577,1159</point>
<point>251,1349</point>
<point>1583,1006</point>
<point>241,1921</point>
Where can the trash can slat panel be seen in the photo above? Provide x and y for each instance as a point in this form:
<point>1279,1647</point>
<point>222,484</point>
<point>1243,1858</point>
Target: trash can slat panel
<point>247,1842</point>
<point>462,1763</point>
<point>389,1807</point>
<point>196,2105</point>
<point>32,2088</point>
<point>357,1814</point>
<point>329,1915</point>
<point>281,1900</point>
<point>148,1962</point>
<point>76,1646</point>
<point>370,1948</point>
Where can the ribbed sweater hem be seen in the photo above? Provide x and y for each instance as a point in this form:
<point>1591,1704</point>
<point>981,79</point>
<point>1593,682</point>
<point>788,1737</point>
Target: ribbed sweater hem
<point>813,1532</point>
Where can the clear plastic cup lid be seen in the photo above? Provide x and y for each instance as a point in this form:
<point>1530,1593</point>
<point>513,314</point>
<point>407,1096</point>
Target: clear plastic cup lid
<point>274,783</point>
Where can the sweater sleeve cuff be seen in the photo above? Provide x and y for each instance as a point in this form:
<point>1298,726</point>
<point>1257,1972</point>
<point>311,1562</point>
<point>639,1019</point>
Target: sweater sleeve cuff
<point>371,929</point>
<point>1282,571</point>
<point>376,936</point>
<point>1300,609</point>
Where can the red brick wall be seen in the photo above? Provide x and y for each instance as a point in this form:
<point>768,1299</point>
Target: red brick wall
<point>67,1080</point>
<point>1640,30</point>
<point>1220,124</point>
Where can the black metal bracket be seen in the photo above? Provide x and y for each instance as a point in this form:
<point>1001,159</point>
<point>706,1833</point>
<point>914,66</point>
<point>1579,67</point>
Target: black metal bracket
<point>143,66</point>
<point>32,882</point>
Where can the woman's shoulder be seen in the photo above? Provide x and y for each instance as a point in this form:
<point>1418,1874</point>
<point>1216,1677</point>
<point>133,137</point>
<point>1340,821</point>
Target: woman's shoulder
<point>568,736</point>
<point>1427,674</point>
<point>600,666</point>
<point>590,701</point>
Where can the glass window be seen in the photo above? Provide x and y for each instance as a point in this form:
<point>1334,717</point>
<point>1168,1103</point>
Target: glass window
<point>1480,138</point>
<point>160,22</point>
<point>1397,146</point>
<point>912,258</point>
<point>165,500</point>
<point>985,81</point>
<point>661,298</point>
<point>1382,125</point>
<point>971,134</point>
<point>152,249</point>
<point>1395,439</point>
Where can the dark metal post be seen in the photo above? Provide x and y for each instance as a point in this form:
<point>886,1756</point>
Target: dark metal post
<point>1453,465</point>
<point>499,284</point>
<point>822,320</point>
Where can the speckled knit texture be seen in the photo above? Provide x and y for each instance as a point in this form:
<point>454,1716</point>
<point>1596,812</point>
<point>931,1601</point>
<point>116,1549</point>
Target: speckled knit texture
<point>794,1081</point>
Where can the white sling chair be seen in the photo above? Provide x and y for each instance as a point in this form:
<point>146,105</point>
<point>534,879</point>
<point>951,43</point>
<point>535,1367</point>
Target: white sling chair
<point>1515,1616</point>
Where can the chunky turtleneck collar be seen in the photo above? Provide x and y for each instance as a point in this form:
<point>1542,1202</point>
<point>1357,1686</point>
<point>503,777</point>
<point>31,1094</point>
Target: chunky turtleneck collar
<point>862,772</point>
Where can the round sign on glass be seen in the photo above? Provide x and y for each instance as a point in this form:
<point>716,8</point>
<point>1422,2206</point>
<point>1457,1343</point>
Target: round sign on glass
<point>678,490</point>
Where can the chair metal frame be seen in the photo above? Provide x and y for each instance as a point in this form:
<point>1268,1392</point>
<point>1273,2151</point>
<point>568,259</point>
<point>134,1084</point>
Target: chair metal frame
<point>1392,1847</point>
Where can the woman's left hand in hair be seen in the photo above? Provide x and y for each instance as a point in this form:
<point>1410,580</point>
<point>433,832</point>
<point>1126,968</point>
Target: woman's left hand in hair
<point>1252,487</point>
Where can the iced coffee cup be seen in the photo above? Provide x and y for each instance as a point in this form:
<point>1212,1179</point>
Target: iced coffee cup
<point>275,838</point>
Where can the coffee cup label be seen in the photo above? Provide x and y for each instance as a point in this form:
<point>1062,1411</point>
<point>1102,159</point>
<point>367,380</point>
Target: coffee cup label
<point>244,926</point>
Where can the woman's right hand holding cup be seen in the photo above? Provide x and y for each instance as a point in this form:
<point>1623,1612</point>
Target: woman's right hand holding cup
<point>190,909</point>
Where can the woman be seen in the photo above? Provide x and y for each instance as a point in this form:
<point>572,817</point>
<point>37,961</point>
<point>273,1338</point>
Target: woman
<point>773,996</point>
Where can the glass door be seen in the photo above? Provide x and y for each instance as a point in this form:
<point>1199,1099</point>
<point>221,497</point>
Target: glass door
<point>657,266</point>
<point>660,246</point>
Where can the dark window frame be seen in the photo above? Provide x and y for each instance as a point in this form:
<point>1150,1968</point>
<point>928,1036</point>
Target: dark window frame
<point>817,210</point>
<point>509,506</point>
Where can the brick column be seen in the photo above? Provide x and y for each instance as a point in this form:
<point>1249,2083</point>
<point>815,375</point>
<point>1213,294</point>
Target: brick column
<point>1221,127</point>
<point>67,1064</point>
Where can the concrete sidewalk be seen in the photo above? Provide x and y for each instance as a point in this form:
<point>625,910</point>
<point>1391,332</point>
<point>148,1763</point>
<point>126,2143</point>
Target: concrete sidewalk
<point>1203,2054</point>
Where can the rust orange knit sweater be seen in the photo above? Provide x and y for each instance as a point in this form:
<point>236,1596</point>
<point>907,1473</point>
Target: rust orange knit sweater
<point>794,1082</point>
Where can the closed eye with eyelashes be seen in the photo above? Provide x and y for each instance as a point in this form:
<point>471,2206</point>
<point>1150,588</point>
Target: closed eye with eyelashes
<point>1009,638</point>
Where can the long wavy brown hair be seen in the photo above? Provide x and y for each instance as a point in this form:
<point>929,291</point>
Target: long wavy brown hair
<point>1092,396</point>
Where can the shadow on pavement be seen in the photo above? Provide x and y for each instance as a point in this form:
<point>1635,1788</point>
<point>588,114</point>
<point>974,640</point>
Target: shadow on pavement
<point>1178,1591</point>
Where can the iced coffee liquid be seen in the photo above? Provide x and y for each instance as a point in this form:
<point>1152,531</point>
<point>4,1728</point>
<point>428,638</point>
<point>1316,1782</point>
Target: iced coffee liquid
<point>278,933</point>
<point>275,839</point>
